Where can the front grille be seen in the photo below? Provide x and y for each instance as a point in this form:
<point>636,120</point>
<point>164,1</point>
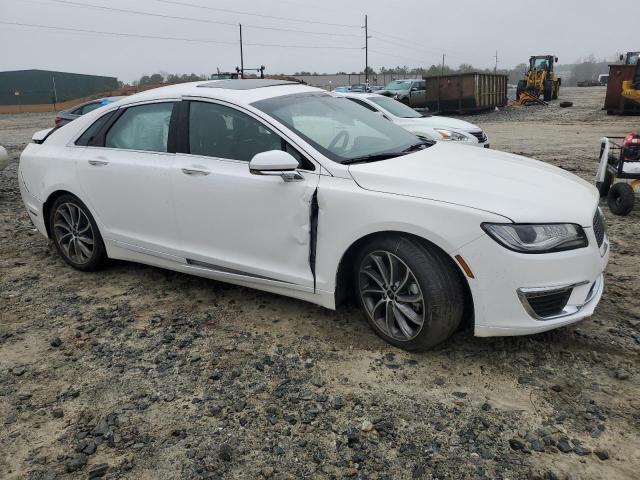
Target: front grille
<point>549,303</point>
<point>599,227</point>
<point>480,135</point>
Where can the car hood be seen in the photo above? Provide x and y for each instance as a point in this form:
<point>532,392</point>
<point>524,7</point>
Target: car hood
<point>438,122</point>
<point>519,188</point>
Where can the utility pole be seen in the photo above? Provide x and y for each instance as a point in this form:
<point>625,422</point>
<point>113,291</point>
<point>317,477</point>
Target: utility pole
<point>495,69</point>
<point>55,92</point>
<point>241,56</point>
<point>366,50</point>
<point>442,69</point>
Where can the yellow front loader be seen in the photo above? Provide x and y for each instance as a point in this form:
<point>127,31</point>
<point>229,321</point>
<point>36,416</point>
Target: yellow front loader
<point>540,79</point>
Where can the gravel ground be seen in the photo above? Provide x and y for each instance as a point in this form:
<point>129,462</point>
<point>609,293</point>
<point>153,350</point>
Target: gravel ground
<point>137,372</point>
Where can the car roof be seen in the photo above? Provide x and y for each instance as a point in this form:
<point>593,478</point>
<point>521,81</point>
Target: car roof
<point>236,91</point>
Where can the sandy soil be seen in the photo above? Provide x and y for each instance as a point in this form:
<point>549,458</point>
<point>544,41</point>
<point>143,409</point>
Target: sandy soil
<point>136,372</point>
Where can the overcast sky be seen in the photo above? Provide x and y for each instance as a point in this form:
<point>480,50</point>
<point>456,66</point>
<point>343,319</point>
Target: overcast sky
<point>404,32</point>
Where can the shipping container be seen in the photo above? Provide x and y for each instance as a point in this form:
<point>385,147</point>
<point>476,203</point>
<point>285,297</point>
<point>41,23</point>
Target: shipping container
<point>466,92</point>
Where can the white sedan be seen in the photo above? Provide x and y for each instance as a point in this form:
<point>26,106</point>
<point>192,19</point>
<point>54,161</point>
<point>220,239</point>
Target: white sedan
<point>286,188</point>
<point>431,127</point>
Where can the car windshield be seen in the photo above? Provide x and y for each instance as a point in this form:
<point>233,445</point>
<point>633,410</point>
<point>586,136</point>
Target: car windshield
<point>340,129</point>
<point>399,85</point>
<point>395,107</point>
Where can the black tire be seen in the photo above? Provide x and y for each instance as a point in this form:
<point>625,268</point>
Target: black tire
<point>566,104</point>
<point>548,90</point>
<point>522,85</point>
<point>98,255</point>
<point>440,288</point>
<point>605,186</point>
<point>621,199</point>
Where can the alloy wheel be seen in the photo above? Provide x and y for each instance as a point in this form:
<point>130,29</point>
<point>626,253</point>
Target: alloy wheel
<point>391,295</point>
<point>74,233</point>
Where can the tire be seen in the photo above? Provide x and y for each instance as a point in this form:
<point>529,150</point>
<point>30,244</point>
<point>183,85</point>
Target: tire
<point>70,217</point>
<point>405,101</point>
<point>548,90</point>
<point>621,199</point>
<point>566,104</point>
<point>419,273</point>
<point>520,88</point>
<point>605,186</point>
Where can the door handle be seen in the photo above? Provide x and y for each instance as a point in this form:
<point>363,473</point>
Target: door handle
<point>98,163</point>
<point>195,172</point>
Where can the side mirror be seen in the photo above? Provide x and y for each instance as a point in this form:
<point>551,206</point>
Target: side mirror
<point>621,57</point>
<point>275,163</point>
<point>556,59</point>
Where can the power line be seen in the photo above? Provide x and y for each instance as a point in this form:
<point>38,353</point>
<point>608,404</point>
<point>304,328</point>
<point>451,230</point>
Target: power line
<point>239,12</point>
<point>190,19</point>
<point>181,39</point>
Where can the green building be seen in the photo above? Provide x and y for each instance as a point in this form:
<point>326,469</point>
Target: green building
<point>32,87</point>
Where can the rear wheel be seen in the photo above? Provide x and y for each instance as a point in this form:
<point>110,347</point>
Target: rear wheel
<point>411,295</point>
<point>75,234</point>
<point>621,199</point>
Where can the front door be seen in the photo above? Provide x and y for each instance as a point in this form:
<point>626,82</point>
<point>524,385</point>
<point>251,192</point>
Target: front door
<point>126,180</point>
<point>231,220</point>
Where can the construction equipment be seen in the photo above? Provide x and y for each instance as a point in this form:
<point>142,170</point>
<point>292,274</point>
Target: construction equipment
<point>540,79</point>
<point>623,89</point>
<point>618,174</point>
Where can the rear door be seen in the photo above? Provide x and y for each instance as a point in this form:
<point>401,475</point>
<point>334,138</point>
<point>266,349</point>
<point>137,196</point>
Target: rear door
<point>125,172</point>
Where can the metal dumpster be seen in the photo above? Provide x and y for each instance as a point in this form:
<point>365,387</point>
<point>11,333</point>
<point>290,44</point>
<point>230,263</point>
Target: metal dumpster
<point>466,92</point>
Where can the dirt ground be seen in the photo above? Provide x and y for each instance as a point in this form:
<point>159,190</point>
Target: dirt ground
<point>137,372</point>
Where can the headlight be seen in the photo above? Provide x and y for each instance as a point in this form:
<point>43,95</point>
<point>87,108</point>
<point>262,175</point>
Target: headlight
<point>451,135</point>
<point>542,238</point>
<point>396,96</point>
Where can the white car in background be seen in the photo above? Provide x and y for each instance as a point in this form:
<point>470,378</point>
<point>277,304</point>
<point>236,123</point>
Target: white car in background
<point>430,127</point>
<point>4,158</point>
<point>286,188</point>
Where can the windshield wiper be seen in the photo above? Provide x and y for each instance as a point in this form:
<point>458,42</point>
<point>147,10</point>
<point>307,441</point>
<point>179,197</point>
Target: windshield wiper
<point>418,146</point>
<point>372,158</point>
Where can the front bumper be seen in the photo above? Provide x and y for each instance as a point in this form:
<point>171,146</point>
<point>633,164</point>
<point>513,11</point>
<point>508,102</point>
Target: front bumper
<point>501,277</point>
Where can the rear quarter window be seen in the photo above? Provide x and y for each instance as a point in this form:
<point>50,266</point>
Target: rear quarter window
<point>90,133</point>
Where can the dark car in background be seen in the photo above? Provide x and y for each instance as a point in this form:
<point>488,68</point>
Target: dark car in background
<point>70,114</point>
<point>410,92</point>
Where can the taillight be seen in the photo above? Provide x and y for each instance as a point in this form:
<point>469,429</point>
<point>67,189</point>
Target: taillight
<point>57,120</point>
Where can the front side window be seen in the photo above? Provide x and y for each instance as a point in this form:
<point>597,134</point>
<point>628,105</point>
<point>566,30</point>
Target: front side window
<point>223,132</point>
<point>144,127</point>
<point>337,127</point>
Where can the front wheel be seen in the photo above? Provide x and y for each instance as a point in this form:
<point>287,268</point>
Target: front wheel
<point>75,234</point>
<point>548,90</point>
<point>411,295</point>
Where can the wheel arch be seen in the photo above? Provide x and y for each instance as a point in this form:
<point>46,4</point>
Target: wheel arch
<point>48,203</point>
<point>344,288</point>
